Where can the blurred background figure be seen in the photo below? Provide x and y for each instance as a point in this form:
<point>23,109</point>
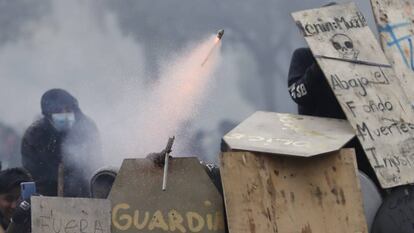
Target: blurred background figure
<point>9,147</point>
<point>63,135</point>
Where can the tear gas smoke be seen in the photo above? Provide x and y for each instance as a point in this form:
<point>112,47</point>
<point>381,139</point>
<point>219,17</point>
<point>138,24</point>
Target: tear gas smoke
<point>90,57</point>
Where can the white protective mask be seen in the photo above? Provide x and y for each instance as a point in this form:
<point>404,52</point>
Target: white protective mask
<point>63,121</point>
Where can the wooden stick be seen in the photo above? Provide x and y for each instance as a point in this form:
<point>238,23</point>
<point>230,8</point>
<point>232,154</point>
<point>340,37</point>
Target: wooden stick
<point>61,180</point>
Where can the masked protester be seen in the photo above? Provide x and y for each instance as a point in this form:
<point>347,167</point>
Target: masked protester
<point>14,213</point>
<point>63,135</point>
<point>310,89</point>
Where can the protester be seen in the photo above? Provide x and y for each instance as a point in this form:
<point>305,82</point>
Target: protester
<point>14,217</point>
<point>310,89</point>
<point>63,135</point>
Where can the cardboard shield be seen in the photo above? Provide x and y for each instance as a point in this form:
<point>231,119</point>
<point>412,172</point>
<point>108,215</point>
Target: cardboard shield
<point>290,194</point>
<point>191,202</point>
<point>58,214</point>
<point>394,19</point>
<point>289,134</point>
<point>366,87</point>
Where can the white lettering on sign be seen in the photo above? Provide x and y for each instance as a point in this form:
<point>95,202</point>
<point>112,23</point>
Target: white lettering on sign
<point>267,141</point>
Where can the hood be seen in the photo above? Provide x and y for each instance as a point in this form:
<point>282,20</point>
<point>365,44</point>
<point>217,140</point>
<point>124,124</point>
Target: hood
<point>56,100</point>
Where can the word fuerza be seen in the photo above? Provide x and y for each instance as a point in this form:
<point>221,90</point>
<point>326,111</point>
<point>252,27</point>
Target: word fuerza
<point>338,23</point>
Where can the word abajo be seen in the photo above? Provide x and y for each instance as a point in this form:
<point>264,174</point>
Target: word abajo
<point>58,224</point>
<point>170,220</point>
<point>362,83</point>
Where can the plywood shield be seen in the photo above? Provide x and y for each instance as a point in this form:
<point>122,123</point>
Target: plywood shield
<point>295,195</point>
<point>191,202</point>
<point>366,87</point>
<point>58,214</point>
<point>289,134</point>
<point>394,19</point>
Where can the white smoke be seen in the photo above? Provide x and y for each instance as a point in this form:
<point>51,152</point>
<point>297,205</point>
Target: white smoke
<point>83,50</point>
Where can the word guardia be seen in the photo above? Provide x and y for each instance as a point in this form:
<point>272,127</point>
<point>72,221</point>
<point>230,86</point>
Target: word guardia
<point>334,24</point>
<point>123,218</point>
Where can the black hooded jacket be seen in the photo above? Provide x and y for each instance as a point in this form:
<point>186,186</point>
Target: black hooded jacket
<point>44,148</point>
<point>309,88</point>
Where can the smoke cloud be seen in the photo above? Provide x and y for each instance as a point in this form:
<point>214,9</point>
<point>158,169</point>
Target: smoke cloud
<point>82,49</point>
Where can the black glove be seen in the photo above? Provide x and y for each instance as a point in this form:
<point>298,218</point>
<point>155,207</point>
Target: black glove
<point>158,158</point>
<point>22,213</point>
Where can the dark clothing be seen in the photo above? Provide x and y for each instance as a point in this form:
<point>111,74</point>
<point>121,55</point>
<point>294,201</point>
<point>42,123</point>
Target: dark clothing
<point>4,223</point>
<point>12,177</point>
<point>309,88</point>
<point>44,148</point>
<point>11,227</point>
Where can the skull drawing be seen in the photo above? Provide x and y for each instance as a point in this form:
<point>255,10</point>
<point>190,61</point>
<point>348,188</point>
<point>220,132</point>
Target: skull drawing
<point>345,46</point>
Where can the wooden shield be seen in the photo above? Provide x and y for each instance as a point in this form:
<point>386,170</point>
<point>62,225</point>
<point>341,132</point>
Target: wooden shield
<point>58,214</point>
<point>191,202</point>
<point>289,134</point>
<point>365,86</point>
<point>394,19</point>
<point>289,194</point>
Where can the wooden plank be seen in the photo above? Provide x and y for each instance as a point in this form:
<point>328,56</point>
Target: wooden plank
<point>394,19</point>
<point>58,214</point>
<point>292,195</point>
<point>365,86</point>
<point>289,134</point>
<point>191,202</point>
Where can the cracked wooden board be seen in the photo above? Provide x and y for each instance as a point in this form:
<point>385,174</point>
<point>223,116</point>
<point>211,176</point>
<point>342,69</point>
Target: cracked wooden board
<point>395,23</point>
<point>191,202</point>
<point>292,195</point>
<point>289,134</point>
<point>366,88</point>
<point>58,214</point>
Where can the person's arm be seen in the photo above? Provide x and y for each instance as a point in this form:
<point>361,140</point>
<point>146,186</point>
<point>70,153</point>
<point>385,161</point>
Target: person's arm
<point>20,222</point>
<point>305,77</point>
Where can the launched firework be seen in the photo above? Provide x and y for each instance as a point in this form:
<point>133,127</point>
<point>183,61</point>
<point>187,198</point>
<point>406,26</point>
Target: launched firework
<point>220,34</point>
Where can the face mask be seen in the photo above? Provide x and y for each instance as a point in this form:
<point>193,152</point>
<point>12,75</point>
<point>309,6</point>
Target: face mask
<point>63,121</point>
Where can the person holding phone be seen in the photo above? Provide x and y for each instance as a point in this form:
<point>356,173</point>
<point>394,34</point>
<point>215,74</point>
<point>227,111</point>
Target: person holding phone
<point>14,211</point>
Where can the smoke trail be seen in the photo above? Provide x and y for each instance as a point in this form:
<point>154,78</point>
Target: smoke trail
<point>171,102</point>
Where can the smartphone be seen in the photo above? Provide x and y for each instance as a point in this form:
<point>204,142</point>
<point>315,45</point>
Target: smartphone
<point>27,189</point>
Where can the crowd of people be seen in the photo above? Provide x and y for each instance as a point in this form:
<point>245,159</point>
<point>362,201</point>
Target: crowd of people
<point>55,151</point>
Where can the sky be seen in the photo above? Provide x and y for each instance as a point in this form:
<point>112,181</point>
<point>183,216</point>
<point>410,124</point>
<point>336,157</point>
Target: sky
<point>114,55</point>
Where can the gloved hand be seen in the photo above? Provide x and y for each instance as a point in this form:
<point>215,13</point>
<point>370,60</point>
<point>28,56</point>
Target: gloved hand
<point>22,213</point>
<point>157,158</point>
